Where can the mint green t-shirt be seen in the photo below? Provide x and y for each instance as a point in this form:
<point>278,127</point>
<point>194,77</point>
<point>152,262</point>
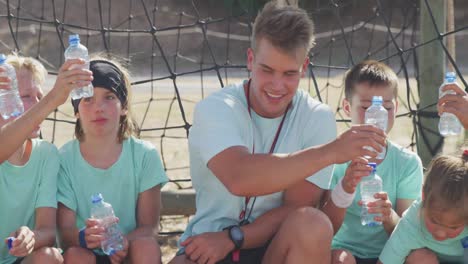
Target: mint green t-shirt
<point>411,233</point>
<point>138,169</point>
<point>222,121</point>
<point>23,189</point>
<point>402,177</point>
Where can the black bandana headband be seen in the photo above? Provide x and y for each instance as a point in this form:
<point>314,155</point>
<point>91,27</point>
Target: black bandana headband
<point>106,75</point>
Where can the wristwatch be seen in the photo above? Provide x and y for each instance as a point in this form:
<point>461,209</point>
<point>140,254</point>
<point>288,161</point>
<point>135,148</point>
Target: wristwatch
<point>236,235</point>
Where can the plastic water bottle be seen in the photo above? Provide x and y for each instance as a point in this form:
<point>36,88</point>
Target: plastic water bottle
<point>449,125</point>
<point>377,115</point>
<point>10,100</point>
<point>113,236</point>
<point>78,51</point>
<point>370,185</point>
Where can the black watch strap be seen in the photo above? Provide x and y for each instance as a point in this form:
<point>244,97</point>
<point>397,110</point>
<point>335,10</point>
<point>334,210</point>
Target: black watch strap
<point>236,235</point>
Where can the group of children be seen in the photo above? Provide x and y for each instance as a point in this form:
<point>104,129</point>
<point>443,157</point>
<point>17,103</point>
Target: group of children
<point>423,219</point>
<point>42,187</point>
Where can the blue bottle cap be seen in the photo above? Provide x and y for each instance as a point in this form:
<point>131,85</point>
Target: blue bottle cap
<point>96,198</point>
<point>464,242</point>
<point>2,58</point>
<point>10,242</point>
<point>377,99</point>
<point>373,165</point>
<point>450,77</point>
<point>73,39</point>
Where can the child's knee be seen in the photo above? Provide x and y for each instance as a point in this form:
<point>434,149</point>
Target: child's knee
<point>79,255</point>
<point>147,246</point>
<point>422,255</point>
<point>306,221</point>
<point>46,255</point>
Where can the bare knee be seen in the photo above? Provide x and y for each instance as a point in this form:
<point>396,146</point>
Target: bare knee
<point>422,255</point>
<point>45,255</point>
<point>182,259</point>
<point>309,225</point>
<point>342,256</point>
<point>143,250</point>
<point>79,255</point>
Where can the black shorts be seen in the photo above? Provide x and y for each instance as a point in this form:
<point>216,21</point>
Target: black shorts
<point>18,261</point>
<point>101,259</point>
<point>247,256</point>
<point>366,261</point>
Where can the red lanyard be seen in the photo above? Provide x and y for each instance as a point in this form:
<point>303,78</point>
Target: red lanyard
<point>243,218</point>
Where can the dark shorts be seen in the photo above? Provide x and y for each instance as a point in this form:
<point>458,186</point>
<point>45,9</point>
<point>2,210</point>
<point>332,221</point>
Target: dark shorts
<point>18,261</point>
<point>102,259</point>
<point>366,261</point>
<point>247,256</point>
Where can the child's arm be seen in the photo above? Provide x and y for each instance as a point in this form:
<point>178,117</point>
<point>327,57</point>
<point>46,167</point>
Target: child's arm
<point>148,209</point>
<point>27,240</point>
<point>356,170</point>
<point>13,134</point>
<point>68,232</point>
<point>44,232</point>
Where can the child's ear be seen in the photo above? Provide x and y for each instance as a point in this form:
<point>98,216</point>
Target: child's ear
<point>346,105</point>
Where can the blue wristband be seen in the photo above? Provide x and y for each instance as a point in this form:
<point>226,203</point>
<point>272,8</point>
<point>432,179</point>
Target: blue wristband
<point>81,238</point>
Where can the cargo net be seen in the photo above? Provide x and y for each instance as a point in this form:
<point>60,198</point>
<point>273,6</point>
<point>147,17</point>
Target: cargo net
<point>178,52</point>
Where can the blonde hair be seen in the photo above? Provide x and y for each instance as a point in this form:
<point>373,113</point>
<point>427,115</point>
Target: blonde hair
<point>28,63</point>
<point>286,27</point>
<point>128,126</point>
<point>446,185</point>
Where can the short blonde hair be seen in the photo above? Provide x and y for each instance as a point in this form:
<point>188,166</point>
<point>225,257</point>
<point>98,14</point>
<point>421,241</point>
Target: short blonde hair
<point>28,63</point>
<point>286,27</point>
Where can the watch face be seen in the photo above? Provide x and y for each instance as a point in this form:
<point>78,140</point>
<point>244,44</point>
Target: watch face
<point>236,233</point>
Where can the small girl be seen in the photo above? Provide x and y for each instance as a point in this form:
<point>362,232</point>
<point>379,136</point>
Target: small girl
<point>432,229</point>
<point>105,158</point>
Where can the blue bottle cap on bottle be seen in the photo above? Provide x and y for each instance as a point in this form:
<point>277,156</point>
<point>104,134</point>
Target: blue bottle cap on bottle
<point>10,242</point>
<point>75,38</point>
<point>377,99</point>
<point>2,58</point>
<point>373,165</point>
<point>96,198</point>
<point>450,77</point>
<point>464,242</point>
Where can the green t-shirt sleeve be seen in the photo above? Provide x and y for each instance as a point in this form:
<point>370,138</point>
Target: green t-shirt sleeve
<point>47,192</point>
<point>410,184</point>
<point>217,126</point>
<point>152,171</point>
<point>403,239</point>
<point>65,193</point>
